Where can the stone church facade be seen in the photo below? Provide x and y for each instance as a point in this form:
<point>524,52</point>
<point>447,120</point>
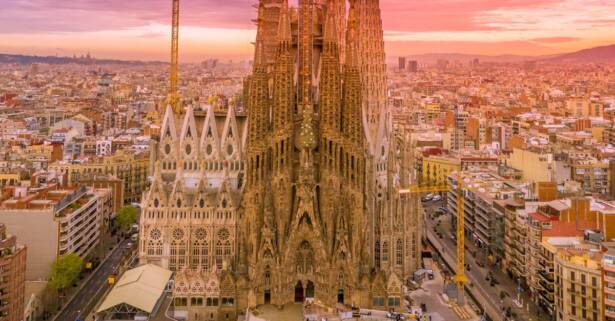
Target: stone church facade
<point>301,199</point>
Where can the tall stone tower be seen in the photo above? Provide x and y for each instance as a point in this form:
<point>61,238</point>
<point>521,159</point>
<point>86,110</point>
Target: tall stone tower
<point>323,216</point>
<point>304,216</point>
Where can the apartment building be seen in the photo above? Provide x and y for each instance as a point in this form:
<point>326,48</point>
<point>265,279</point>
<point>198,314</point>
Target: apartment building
<point>53,222</point>
<point>12,276</point>
<point>591,173</point>
<point>578,284</point>
<point>131,167</point>
<point>608,284</point>
<point>483,191</point>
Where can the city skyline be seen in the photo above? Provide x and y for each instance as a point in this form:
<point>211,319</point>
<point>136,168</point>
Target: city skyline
<point>139,30</point>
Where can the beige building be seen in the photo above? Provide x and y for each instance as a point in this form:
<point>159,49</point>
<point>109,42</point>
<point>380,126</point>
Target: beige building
<point>53,222</point>
<point>536,166</point>
<point>578,284</point>
<point>608,285</point>
<point>131,167</point>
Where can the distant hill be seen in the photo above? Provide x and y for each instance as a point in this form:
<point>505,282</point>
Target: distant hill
<point>604,54</point>
<point>54,60</point>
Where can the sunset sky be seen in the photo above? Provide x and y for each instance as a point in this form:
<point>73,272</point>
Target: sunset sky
<point>139,29</point>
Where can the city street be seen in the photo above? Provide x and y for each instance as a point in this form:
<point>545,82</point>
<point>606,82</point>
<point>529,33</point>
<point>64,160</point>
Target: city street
<point>430,294</point>
<point>477,275</point>
<point>87,296</point>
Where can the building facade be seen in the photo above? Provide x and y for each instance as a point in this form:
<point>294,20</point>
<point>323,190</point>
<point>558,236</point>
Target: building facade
<point>578,277</point>
<point>54,222</point>
<point>13,275</point>
<point>608,265</point>
<point>132,168</point>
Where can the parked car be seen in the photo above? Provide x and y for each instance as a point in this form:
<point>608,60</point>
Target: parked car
<point>427,198</point>
<point>437,198</point>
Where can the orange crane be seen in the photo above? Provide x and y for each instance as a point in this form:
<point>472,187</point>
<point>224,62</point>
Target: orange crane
<point>173,98</point>
<point>460,277</point>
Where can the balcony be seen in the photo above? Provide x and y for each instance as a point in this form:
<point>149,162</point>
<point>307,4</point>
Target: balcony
<point>609,314</point>
<point>609,268</point>
<point>548,287</point>
<point>547,276</point>
<point>548,298</point>
<point>609,279</point>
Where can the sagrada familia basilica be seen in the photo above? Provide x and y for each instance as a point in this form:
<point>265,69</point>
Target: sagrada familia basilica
<point>300,199</point>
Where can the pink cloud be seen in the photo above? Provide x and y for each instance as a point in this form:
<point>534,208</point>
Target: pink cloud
<point>555,39</point>
<point>447,15</point>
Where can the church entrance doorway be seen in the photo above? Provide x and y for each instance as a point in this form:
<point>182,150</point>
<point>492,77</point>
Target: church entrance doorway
<point>267,296</point>
<point>309,293</point>
<point>340,296</point>
<point>299,292</point>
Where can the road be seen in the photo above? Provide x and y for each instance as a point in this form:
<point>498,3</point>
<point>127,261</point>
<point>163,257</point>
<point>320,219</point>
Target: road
<point>87,296</point>
<point>429,293</point>
<point>479,287</point>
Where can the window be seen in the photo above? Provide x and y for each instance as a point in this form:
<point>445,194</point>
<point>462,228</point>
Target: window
<point>196,301</point>
<point>228,301</point>
<point>377,253</point>
<point>394,301</point>
<point>181,301</point>
<point>399,253</point>
<point>385,251</point>
<point>594,281</point>
<point>378,301</point>
<point>583,278</point>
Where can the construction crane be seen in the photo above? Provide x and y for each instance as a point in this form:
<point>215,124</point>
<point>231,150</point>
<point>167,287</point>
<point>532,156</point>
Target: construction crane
<point>173,98</point>
<point>460,276</point>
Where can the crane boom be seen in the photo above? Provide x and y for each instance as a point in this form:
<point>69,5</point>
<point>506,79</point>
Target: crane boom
<point>174,68</point>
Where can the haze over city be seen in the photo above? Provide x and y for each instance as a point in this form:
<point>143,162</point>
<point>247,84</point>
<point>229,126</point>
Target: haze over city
<point>139,29</point>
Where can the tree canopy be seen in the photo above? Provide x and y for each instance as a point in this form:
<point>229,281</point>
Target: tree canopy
<point>65,271</point>
<point>125,218</point>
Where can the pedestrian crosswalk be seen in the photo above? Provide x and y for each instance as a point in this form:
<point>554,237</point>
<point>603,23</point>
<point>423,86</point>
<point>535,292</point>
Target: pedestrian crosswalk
<point>462,312</point>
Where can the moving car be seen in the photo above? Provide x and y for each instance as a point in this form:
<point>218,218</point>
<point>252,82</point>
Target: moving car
<point>427,198</point>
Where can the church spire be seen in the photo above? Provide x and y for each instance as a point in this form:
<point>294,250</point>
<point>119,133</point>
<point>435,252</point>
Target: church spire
<point>259,52</point>
<point>283,73</point>
<point>284,29</point>
<point>306,47</point>
<point>351,121</point>
<point>330,89</point>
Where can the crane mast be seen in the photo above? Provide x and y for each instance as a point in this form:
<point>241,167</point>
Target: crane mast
<point>174,68</point>
<point>460,277</point>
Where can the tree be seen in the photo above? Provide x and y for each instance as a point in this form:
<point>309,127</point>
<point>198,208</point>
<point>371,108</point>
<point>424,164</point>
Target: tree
<point>65,270</point>
<point>125,218</point>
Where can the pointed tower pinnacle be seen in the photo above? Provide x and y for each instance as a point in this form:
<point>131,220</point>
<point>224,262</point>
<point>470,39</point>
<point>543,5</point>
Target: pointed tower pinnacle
<point>306,48</point>
<point>351,116</point>
<point>352,58</point>
<point>283,93</point>
<point>259,52</point>
<point>284,30</point>
<point>330,80</point>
